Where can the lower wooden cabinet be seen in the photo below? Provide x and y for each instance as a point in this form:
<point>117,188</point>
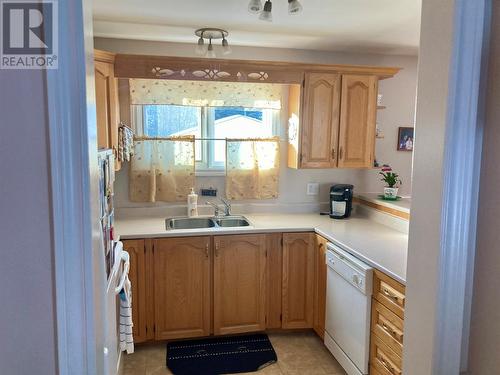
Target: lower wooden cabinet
<point>197,286</point>
<point>239,283</point>
<point>384,359</point>
<point>387,325</point>
<point>182,287</point>
<point>138,278</point>
<point>320,286</point>
<point>298,280</point>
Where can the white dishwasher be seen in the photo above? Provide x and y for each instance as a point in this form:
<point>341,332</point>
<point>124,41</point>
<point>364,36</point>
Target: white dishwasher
<point>348,304</point>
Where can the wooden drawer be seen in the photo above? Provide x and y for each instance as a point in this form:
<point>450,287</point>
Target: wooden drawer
<point>389,292</point>
<point>388,327</point>
<point>373,371</point>
<point>383,359</point>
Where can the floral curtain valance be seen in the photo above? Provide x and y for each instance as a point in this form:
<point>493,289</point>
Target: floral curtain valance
<point>252,168</point>
<point>199,93</point>
<point>162,170</point>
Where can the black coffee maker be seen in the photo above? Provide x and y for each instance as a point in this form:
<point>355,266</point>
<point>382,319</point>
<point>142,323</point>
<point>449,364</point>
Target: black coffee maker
<point>341,201</point>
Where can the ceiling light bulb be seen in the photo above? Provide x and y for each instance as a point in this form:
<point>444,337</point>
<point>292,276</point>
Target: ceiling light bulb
<point>211,52</point>
<point>294,7</point>
<point>201,48</point>
<point>226,50</point>
<point>266,14</point>
<point>254,6</point>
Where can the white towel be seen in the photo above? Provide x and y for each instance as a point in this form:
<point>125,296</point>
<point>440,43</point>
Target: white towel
<point>126,338</point>
<point>125,143</point>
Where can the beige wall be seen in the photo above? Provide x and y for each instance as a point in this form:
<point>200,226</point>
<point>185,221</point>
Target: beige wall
<point>399,97</point>
<point>425,224</point>
<point>484,342</point>
<point>27,314</point>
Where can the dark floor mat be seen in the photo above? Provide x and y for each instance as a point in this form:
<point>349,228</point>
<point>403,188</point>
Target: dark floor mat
<point>220,355</point>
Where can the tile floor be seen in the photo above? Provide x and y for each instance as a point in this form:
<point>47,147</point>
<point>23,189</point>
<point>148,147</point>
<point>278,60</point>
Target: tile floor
<point>300,353</point>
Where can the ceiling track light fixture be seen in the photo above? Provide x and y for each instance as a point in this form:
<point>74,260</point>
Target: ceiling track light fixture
<point>209,33</point>
<point>265,12</point>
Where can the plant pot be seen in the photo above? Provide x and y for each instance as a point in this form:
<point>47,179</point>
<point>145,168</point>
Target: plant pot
<point>391,193</point>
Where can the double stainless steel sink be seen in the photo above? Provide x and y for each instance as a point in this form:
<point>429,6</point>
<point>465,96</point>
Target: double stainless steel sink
<point>206,222</point>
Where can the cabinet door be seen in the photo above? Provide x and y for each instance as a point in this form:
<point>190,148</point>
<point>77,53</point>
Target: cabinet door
<point>358,114</point>
<point>138,279</point>
<point>320,286</point>
<point>239,283</point>
<point>298,280</point>
<point>107,108</point>
<point>320,120</point>
<point>182,287</point>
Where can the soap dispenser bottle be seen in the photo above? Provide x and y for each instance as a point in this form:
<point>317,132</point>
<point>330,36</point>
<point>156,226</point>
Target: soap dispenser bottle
<point>192,203</point>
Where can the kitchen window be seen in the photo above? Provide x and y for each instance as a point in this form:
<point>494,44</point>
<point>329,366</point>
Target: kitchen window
<point>209,125</point>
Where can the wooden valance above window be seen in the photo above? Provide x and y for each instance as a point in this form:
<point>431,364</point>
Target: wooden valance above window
<point>211,94</point>
<point>202,69</point>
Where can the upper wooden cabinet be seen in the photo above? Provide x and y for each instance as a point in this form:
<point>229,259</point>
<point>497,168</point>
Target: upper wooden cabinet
<point>239,283</point>
<point>320,120</point>
<point>358,115</point>
<point>107,108</point>
<point>182,287</point>
<point>332,121</point>
<point>298,280</point>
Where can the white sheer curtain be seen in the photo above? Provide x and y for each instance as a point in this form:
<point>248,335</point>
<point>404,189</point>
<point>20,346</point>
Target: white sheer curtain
<point>162,169</point>
<point>252,168</point>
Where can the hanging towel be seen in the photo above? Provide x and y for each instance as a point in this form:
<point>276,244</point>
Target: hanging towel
<point>125,143</point>
<point>126,338</point>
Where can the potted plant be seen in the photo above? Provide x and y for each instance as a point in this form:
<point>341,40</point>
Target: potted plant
<point>392,182</point>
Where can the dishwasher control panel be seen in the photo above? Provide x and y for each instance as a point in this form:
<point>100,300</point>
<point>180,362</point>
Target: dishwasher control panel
<point>354,271</point>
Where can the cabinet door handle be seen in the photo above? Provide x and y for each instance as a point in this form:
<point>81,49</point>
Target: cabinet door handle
<point>388,366</point>
<point>206,250</point>
<point>390,295</point>
<point>333,153</point>
<point>216,249</point>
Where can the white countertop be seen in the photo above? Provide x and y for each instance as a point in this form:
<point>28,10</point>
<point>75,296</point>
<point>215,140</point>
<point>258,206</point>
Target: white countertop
<point>378,245</point>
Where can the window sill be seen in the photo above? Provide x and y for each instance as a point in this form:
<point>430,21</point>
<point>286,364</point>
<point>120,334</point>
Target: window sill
<point>210,173</point>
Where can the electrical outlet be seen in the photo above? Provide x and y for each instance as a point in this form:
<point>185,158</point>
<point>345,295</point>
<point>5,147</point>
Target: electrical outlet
<point>312,188</point>
<point>208,192</point>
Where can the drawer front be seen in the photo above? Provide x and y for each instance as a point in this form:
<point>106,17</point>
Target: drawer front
<point>390,293</point>
<point>388,327</point>
<point>374,371</point>
<point>384,359</point>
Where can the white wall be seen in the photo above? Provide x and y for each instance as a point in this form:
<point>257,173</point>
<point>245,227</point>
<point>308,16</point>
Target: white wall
<point>485,327</point>
<point>399,97</point>
<point>27,314</point>
<point>425,223</point>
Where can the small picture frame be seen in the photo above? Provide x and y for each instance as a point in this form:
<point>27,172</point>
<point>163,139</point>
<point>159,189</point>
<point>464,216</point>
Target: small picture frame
<point>405,139</point>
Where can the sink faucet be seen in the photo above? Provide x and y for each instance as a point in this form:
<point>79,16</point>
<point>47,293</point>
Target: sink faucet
<point>216,208</point>
<point>227,206</point>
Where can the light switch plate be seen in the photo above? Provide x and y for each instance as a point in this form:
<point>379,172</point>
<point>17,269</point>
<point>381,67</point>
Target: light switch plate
<point>312,188</point>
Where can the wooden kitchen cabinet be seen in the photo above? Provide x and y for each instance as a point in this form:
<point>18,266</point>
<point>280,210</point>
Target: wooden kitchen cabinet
<point>320,120</point>
<point>298,280</point>
<point>387,325</point>
<point>332,121</point>
<point>239,283</point>
<point>274,265</point>
<point>138,278</point>
<point>107,107</point>
<point>320,286</point>
<point>358,115</point>
<point>182,287</point>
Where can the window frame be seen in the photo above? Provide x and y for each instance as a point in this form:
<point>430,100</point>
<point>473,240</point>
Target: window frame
<point>207,166</point>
